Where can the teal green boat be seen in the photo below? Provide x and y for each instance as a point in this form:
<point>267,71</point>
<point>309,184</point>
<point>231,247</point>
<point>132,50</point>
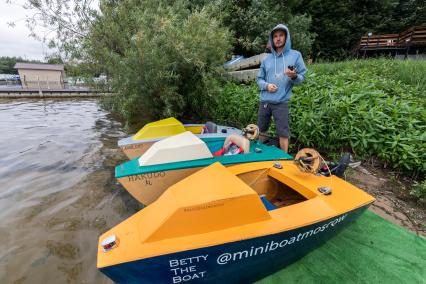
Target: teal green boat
<point>172,159</point>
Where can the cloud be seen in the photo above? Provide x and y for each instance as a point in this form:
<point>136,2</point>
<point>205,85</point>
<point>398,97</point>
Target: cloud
<point>16,41</point>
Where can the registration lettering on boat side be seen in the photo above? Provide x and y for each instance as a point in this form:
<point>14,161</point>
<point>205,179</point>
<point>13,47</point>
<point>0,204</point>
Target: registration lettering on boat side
<point>186,269</point>
<point>147,177</point>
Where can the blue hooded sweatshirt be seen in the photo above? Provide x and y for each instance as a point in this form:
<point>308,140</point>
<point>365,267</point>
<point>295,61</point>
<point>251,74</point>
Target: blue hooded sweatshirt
<point>272,70</point>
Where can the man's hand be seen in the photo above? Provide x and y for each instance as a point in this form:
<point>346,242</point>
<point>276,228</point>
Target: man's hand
<point>272,88</point>
<point>291,73</point>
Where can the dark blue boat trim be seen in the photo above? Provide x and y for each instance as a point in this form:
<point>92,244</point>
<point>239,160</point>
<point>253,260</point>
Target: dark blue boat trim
<point>237,262</point>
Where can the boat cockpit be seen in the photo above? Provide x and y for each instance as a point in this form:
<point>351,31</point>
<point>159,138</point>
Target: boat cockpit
<point>273,192</point>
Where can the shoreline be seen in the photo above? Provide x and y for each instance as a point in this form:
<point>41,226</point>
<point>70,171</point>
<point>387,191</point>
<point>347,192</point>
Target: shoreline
<point>59,93</point>
<point>393,200</point>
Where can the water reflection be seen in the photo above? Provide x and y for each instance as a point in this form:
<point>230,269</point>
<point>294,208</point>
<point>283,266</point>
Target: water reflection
<point>57,189</point>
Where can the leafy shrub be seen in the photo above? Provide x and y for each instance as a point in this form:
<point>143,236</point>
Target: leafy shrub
<point>237,105</point>
<point>347,106</point>
<point>408,72</point>
<point>161,57</point>
<point>419,190</point>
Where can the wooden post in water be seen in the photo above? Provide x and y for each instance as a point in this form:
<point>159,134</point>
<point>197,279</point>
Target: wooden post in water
<point>39,88</point>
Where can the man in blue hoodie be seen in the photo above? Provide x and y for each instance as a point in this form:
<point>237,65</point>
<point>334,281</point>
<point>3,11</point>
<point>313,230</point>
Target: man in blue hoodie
<point>280,70</point>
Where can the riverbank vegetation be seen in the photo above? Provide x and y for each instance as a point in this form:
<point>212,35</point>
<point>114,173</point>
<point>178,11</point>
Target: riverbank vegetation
<point>373,108</point>
<point>328,29</point>
<point>163,57</point>
<point>164,60</point>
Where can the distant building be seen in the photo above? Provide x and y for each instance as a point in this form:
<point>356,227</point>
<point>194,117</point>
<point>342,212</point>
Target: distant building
<point>41,76</point>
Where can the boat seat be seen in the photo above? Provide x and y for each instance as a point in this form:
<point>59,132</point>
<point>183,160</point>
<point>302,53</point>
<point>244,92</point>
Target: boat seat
<point>211,127</point>
<point>239,140</point>
<point>268,205</point>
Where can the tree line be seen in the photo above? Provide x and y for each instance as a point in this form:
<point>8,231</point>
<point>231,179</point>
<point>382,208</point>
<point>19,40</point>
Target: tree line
<point>164,57</point>
<point>7,63</point>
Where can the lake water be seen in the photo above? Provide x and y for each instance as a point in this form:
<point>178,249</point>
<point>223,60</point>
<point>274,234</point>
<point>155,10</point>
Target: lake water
<point>57,189</point>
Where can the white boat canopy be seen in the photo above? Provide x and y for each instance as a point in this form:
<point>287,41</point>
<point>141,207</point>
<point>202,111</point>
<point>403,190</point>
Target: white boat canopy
<point>181,147</point>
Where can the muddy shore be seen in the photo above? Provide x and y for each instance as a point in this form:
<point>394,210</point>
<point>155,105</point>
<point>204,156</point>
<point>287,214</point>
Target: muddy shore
<point>393,200</point>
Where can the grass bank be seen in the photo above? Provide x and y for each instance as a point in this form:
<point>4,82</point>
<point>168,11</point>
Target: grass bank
<point>374,108</point>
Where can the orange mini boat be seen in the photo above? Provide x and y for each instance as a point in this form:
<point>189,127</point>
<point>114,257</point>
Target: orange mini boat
<point>234,224</point>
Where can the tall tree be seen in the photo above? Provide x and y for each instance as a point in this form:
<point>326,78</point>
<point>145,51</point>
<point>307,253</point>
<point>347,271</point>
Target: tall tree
<point>340,24</point>
<point>7,64</point>
<point>162,57</point>
<point>252,20</point>
<point>406,14</point>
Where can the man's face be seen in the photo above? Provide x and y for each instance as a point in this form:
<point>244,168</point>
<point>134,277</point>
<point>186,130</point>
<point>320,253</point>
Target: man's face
<point>278,38</point>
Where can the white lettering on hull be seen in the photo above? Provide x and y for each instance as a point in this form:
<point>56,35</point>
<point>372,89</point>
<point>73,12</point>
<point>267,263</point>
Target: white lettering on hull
<point>185,269</point>
<point>270,246</point>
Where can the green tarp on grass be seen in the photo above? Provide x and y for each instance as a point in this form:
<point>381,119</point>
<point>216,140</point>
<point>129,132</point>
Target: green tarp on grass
<point>371,250</point>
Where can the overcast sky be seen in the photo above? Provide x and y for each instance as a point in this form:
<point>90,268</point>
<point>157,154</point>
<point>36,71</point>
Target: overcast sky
<point>15,41</point>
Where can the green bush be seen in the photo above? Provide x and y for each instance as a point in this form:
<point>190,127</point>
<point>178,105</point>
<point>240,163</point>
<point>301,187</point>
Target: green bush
<point>419,190</point>
<point>162,58</point>
<point>237,104</point>
<point>355,105</point>
<point>408,72</point>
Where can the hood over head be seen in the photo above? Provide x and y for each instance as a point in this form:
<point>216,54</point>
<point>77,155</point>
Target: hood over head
<point>287,45</point>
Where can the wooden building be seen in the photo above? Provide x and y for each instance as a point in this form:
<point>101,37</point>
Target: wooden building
<point>41,76</point>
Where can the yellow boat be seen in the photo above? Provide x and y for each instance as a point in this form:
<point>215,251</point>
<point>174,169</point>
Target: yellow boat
<point>134,146</point>
<point>229,224</point>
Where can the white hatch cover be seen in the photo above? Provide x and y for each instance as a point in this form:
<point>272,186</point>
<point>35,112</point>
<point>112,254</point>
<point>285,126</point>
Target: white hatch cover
<point>181,147</point>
